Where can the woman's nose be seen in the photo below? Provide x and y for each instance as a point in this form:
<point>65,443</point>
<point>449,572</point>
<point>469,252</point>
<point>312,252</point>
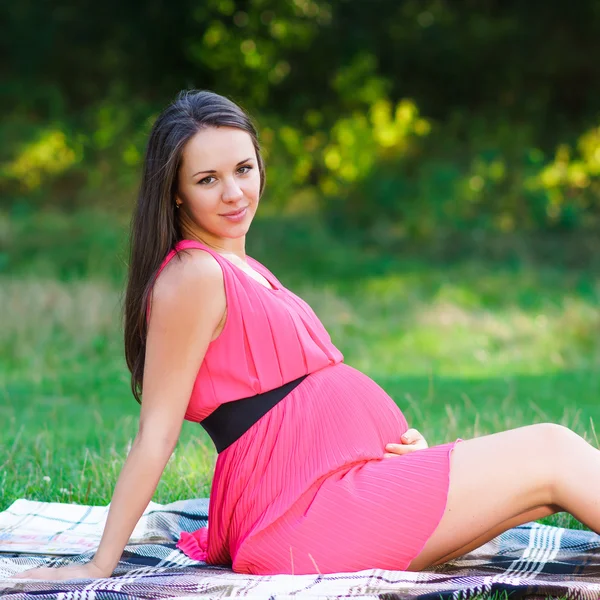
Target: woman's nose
<point>232,192</point>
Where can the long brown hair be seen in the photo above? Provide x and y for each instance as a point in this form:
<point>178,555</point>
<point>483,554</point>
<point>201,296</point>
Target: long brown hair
<point>154,224</point>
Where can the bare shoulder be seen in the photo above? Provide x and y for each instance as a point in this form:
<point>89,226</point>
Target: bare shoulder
<point>191,278</point>
<point>191,267</point>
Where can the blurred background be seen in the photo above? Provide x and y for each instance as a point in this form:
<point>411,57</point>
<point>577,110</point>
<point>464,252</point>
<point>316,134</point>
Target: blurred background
<point>433,190</point>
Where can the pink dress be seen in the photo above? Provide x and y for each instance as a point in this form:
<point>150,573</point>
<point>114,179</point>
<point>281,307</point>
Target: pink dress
<point>306,489</point>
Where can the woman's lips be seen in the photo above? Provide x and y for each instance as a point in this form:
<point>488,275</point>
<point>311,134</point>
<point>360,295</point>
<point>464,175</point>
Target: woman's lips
<point>236,216</point>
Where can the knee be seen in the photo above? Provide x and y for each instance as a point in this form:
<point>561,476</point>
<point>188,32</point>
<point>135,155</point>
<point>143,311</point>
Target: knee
<point>553,437</point>
<point>554,443</point>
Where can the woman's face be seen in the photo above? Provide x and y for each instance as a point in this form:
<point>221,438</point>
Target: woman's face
<point>218,184</point>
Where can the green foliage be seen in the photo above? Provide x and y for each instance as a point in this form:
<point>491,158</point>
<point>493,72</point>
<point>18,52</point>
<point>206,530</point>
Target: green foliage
<point>401,119</point>
<point>49,155</point>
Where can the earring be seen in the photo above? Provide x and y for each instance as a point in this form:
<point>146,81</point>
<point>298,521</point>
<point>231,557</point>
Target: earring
<point>177,205</point>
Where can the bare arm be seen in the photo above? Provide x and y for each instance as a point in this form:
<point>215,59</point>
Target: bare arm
<point>187,306</point>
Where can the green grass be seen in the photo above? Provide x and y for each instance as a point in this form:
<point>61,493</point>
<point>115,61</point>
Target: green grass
<point>465,348</point>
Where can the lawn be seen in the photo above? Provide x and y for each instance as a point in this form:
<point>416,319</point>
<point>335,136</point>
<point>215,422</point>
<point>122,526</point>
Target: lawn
<point>466,347</point>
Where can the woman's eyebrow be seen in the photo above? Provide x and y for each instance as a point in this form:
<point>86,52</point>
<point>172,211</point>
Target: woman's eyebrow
<point>213,171</point>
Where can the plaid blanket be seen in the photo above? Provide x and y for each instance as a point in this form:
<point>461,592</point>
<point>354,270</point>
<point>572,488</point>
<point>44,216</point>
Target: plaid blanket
<point>531,561</point>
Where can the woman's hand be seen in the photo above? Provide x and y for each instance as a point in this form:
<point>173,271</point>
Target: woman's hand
<point>86,571</point>
<point>411,440</point>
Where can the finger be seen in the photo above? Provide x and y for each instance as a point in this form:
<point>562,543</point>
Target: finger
<point>23,575</point>
<point>400,449</point>
<point>420,445</point>
<point>410,435</point>
<point>396,447</point>
<point>37,573</point>
<point>33,575</point>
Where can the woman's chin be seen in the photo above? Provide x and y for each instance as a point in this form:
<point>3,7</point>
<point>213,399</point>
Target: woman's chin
<point>235,230</point>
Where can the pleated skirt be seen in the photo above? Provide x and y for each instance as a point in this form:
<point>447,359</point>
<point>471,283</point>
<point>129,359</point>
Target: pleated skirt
<point>372,514</point>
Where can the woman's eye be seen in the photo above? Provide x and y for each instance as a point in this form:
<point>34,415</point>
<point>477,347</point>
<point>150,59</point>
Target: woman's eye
<point>206,181</point>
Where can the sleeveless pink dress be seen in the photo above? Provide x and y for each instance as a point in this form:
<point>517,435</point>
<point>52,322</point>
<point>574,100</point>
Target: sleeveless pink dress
<point>306,489</point>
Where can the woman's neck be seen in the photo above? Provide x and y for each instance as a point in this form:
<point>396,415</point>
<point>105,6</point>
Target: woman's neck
<point>226,246</point>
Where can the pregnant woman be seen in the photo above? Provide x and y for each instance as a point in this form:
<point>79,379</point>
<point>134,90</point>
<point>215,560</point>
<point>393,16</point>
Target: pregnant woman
<point>317,470</point>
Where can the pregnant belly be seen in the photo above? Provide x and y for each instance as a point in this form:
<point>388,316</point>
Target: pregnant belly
<point>337,416</point>
<point>360,412</point>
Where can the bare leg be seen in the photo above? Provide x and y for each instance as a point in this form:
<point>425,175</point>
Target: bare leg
<point>526,517</point>
<point>501,480</point>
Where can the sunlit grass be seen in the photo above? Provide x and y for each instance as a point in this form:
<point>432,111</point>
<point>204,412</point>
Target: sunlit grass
<point>453,323</point>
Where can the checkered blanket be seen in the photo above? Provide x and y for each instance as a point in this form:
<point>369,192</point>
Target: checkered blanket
<point>531,561</point>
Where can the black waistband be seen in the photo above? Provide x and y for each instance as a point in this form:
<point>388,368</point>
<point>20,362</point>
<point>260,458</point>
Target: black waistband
<point>232,419</point>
